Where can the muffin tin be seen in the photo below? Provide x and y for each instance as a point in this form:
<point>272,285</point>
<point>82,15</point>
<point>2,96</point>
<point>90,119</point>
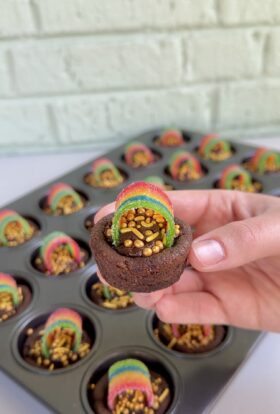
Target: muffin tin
<point>195,380</point>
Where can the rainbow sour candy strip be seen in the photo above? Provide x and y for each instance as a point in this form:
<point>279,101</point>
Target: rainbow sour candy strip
<point>52,241</point>
<point>260,158</point>
<point>59,191</point>
<point>62,318</point>
<point>134,147</point>
<point>129,374</point>
<point>209,142</point>
<point>141,194</point>
<point>9,285</point>
<point>8,216</point>
<point>171,138</point>
<point>101,165</point>
<point>232,172</point>
<point>178,159</point>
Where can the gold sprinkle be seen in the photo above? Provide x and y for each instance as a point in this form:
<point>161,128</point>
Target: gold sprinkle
<point>130,216</point>
<point>139,218</point>
<point>109,232</point>
<point>123,225</point>
<point>164,394</point>
<point>127,230</point>
<point>147,251</point>
<point>149,213</point>
<point>140,210</point>
<point>127,243</point>
<point>148,232</point>
<point>137,233</point>
<point>156,249</point>
<point>159,244</point>
<point>131,224</point>
<point>138,243</point>
<point>152,237</point>
<point>147,225</point>
<point>29,331</point>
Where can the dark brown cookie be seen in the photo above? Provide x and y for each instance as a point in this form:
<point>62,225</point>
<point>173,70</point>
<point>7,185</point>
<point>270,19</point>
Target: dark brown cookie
<point>100,392</point>
<point>140,274</point>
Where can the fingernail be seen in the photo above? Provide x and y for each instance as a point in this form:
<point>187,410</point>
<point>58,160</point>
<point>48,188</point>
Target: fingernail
<point>208,252</point>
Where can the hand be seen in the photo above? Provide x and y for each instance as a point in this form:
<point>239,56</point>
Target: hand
<point>235,259</point>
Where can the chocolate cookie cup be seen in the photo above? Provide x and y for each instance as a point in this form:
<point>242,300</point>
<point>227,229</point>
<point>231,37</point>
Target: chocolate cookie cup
<point>59,254</point>
<point>56,341</point>
<point>108,297</point>
<point>263,161</point>
<point>104,174</point>
<point>156,241</point>
<point>63,200</point>
<point>15,229</point>
<point>129,387</point>
<point>117,385</point>
<point>15,296</point>
<point>190,338</point>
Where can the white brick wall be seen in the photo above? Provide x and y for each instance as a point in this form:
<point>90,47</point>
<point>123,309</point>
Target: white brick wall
<point>95,72</point>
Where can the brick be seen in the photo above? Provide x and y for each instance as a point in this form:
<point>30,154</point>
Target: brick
<point>16,18</point>
<point>97,65</point>
<point>272,56</point>
<point>97,16</point>
<point>24,123</point>
<point>249,104</point>
<point>223,54</point>
<point>249,11</point>
<point>131,113</point>
<point>5,81</point>
<point>82,120</point>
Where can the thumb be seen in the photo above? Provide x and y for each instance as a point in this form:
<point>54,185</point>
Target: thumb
<point>237,243</point>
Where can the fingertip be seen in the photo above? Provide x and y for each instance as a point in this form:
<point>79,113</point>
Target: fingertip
<point>147,300</point>
<point>104,211</point>
<point>164,309</point>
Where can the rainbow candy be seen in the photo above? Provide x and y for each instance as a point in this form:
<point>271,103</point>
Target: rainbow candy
<point>171,138</point>
<point>141,194</point>
<point>180,158</point>
<point>62,318</point>
<point>54,240</point>
<point>134,147</point>
<point>129,374</point>
<point>260,158</point>
<point>8,284</point>
<point>156,180</point>
<point>232,172</point>
<point>104,164</point>
<point>209,142</point>
<point>8,216</point>
<point>60,190</point>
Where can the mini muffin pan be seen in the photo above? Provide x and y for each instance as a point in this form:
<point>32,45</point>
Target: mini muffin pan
<point>195,379</point>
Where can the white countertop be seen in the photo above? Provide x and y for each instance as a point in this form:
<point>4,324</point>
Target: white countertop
<point>253,390</point>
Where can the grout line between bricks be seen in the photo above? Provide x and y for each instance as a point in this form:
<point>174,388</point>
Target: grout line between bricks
<point>184,87</point>
<point>126,34</point>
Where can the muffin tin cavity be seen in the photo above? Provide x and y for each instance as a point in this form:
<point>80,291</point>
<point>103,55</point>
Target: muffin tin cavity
<point>106,297</point>
<point>29,349</point>
<point>187,340</point>
<point>15,233</point>
<point>157,157</point>
<point>7,310</point>
<point>89,221</point>
<point>64,264</point>
<point>108,182</point>
<point>186,139</point>
<point>66,207</point>
<point>95,384</point>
